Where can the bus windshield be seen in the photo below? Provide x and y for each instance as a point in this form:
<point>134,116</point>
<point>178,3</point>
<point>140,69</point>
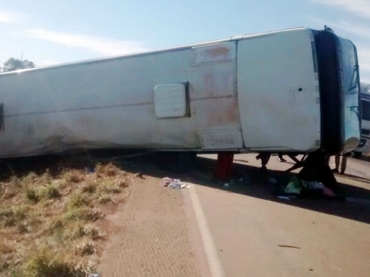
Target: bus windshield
<point>351,90</point>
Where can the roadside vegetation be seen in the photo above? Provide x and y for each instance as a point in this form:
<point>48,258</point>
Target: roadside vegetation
<point>50,225</point>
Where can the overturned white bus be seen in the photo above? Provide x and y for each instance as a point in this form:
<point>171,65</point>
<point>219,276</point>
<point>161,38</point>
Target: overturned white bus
<point>294,90</point>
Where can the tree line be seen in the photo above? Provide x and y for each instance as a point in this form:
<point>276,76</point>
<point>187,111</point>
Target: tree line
<point>13,64</point>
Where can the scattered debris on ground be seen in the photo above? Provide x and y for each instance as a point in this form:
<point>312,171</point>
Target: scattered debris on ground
<point>307,189</point>
<point>288,246</point>
<point>174,183</point>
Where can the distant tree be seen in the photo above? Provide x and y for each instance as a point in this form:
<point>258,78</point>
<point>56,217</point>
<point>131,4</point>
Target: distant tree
<point>365,88</point>
<point>15,64</point>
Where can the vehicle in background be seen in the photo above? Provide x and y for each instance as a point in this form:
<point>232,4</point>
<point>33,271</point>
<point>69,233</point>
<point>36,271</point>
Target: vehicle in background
<point>364,146</point>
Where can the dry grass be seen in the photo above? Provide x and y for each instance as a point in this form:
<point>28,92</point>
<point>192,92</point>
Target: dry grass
<point>48,224</point>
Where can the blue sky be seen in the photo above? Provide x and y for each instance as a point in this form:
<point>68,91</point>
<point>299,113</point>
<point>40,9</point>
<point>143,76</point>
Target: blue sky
<point>52,32</point>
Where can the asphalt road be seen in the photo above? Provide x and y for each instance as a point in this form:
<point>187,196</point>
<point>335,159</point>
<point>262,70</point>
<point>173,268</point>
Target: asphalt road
<point>255,233</point>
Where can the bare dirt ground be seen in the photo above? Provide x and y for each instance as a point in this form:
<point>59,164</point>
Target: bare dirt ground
<point>152,235</point>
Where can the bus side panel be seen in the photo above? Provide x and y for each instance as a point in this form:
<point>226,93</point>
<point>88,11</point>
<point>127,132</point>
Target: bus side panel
<point>278,92</point>
<point>114,103</point>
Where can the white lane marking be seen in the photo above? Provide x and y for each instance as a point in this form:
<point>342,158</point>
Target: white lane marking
<point>208,244</point>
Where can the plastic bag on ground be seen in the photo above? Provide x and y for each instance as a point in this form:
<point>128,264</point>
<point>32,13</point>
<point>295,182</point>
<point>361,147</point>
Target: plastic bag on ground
<point>294,187</point>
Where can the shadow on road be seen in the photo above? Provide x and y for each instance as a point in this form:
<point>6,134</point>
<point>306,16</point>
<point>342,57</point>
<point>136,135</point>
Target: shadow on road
<point>267,187</point>
<point>248,180</point>
<point>365,158</point>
